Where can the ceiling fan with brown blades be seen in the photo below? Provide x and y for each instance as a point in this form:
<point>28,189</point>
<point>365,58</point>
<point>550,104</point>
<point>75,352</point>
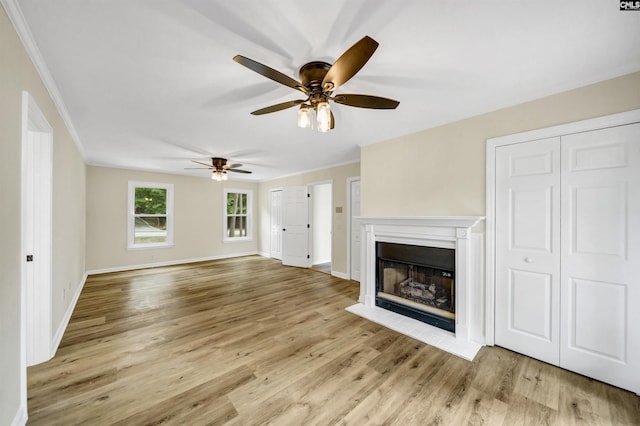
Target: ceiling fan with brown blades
<point>219,168</point>
<point>318,82</point>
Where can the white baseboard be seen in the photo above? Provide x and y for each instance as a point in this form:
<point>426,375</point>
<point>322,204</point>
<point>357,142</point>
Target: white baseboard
<point>20,419</point>
<point>264,254</point>
<point>67,316</point>
<point>168,263</point>
<point>340,275</point>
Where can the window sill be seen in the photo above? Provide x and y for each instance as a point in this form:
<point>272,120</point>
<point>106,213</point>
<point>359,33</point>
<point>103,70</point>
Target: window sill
<point>237,240</point>
<point>149,246</point>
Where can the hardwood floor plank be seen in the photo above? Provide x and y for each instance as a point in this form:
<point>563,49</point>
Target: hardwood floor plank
<point>247,341</point>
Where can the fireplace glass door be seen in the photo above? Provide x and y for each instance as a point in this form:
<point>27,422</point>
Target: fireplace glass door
<point>418,282</point>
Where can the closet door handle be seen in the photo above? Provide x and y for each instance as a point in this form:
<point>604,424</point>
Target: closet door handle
<point>528,259</point>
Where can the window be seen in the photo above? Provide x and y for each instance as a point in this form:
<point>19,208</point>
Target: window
<point>237,215</point>
<point>150,215</point>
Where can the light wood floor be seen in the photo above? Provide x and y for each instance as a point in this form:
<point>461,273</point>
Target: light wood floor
<point>247,341</point>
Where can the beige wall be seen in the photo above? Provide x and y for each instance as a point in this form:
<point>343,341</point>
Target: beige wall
<point>339,177</point>
<point>441,171</point>
<point>198,219</point>
<point>17,73</point>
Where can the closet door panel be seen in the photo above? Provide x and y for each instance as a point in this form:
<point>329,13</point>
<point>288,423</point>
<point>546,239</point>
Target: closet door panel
<point>600,277</point>
<point>527,298</point>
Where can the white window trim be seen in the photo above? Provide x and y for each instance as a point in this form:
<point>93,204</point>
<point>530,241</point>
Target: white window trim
<point>249,236</point>
<point>131,245</point>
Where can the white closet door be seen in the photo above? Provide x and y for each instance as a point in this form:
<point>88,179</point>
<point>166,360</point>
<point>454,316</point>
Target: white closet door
<point>600,310</point>
<point>528,248</point>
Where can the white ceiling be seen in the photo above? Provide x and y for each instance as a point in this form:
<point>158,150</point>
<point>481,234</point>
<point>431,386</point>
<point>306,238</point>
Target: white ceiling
<point>151,84</point>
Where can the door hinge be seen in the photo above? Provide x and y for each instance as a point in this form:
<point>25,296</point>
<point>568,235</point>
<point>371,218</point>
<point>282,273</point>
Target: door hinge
<point>29,258</point>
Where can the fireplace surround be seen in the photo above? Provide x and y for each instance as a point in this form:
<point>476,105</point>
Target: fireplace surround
<point>447,232</point>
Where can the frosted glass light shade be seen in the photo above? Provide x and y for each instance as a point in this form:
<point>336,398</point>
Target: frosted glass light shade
<point>323,115</point>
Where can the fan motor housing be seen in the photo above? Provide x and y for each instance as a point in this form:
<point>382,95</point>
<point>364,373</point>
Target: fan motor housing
<point>312,73</point>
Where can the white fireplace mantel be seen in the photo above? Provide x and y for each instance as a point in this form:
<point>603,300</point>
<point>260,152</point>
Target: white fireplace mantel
<point>435,231</point>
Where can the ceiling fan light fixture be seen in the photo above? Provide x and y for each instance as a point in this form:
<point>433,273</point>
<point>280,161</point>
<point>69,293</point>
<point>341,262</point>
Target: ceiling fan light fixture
<point>219,175</point>
<point>323,116</point>
<point>304,116</point>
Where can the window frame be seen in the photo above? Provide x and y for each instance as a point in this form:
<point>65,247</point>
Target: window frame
<point>249,215</point>
<point>131,215</point>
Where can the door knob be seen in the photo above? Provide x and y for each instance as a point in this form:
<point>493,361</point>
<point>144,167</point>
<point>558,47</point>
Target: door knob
<point>528,259</point>
<point>283,229</point>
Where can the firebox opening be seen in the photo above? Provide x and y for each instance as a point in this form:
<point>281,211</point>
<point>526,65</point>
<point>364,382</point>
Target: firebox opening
<point>418,282</point>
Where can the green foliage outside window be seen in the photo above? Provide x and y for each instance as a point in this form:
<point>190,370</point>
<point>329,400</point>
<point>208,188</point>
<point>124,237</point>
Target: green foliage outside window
<point>151,201</point>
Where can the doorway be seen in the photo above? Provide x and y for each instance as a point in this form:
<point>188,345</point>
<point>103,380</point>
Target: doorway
<point>275,248</point>
<point>354,245</point>
<point>321,225</point>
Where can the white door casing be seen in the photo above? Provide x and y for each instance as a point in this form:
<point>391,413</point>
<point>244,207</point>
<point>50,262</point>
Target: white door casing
<point>295,225</point>
<point>354,230</point>
<point>276,224</point>
<point>600,228</point>
<point>528,248</point>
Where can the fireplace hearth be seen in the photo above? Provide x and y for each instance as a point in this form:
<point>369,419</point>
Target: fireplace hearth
<point>418,282</point>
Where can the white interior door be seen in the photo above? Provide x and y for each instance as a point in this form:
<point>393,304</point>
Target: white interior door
<point>295,227</point>
<point>600,312</point>
<point>527,294</point>
<point>355,230</point>
<point>36,233</point>
<point>276,224</point>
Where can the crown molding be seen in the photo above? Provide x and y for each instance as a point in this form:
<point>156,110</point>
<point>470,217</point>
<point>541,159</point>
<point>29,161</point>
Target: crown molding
<point>26,37</point>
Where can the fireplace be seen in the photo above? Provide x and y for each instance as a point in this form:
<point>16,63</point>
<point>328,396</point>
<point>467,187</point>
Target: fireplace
<point>417,282</point>
<point>406,290</point>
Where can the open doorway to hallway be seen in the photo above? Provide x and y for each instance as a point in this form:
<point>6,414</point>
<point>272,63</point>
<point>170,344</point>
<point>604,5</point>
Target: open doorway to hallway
<point>321,225</point>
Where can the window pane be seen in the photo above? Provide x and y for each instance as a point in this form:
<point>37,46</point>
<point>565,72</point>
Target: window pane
<point>236,226</point>
<point>150,229</point>
<point>151,201</point>
<point>232,203</point>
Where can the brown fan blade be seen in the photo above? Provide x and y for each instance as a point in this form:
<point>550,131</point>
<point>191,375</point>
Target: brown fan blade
<point>349,63</point>
<point>333,121</point>
<point>198,168</point>
<point>204,164</point>
<point>277,107</point>
<point>239,171</point>
<point>365,101</point>
<point>270,73</point>
<point>232,166</point>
